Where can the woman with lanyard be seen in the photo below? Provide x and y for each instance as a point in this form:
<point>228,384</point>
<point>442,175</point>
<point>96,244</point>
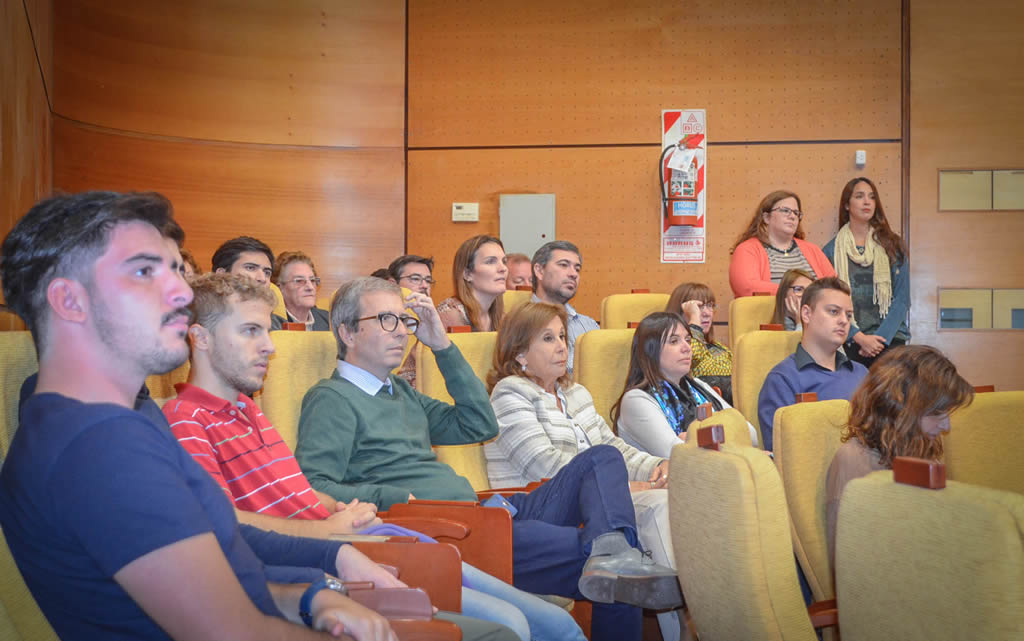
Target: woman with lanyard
<point>772,244</point>
<point>660,398</point>
<point>872,259</point>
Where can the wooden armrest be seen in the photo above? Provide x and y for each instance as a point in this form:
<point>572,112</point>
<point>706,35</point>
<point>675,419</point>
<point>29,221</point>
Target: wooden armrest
<point>640,290</point>
<point>762,294</point>
<point>459,329</point>
<point>984,389</point>
<point>293,327</point>
<point>433,630</point>
<point>372,538</point>
<point>807,397</point>
<point>524,288</point>
<point>920,472</point>
<point>436,568</point>
<point>394,603</point>
<point>771,327</point>
<point>433,502</point>
<point>632,324</point>
<point>483,495</point>
<point>710,437</point>
<point>823,613</point>
<point>489,543</point>
<point>704,410</point>
<point>431,526</point>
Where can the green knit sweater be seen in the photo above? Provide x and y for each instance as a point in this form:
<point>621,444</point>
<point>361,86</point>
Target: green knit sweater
<point>377,448</point>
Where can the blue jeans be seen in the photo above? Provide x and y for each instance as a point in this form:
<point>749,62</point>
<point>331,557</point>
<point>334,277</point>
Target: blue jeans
<point>549,548</point>
<point>530,617</point>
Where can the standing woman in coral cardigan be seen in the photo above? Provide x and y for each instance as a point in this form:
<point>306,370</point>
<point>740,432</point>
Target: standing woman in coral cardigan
<point>872,259</point>
<point>772,244</point>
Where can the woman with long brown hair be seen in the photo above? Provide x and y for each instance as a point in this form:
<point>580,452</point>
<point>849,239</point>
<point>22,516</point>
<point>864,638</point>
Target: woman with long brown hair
<point>772,244</point>
<point>901,408</point>
<point>712,361</point>
<point>872,259</point>
<point>479,272</point>
<point>660,398</point>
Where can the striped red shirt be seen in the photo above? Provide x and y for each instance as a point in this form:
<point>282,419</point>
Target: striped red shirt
<point>243,452</point>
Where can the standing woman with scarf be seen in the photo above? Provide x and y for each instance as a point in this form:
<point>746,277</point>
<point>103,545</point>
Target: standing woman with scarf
<point>870,257</point>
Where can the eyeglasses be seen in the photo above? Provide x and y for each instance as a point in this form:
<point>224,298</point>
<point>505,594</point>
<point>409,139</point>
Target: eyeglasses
<point>790,212</point>
<point>797,289</point>
<point>300,281</point>
<point>708,306</point>
<point>389,321</point>
<point>418,280</point>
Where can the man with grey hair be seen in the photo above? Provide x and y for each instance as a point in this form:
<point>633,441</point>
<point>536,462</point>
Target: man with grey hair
<point>556,277</point>
<point>366,434</point>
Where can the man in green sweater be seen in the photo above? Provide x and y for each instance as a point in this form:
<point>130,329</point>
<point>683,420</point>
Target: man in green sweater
<point>366,434</point>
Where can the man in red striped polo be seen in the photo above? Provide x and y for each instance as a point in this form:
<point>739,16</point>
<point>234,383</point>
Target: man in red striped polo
<point>217,422</point>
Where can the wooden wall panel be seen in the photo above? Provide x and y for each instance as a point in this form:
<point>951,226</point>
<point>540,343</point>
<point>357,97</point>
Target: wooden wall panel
<point>607,203</point>
<point>343,207</point>
<point>40,19</point>
<point>25,160</point>
<point>537,72</point>
<point>298,73</point>
<point>965,106</point>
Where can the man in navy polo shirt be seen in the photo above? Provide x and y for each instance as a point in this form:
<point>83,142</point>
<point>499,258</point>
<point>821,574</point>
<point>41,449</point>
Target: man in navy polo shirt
<point>826,311</point>
<point>117,532</point>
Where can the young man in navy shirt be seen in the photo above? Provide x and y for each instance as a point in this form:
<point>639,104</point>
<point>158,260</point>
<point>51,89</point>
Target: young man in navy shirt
<point>826,311</point>
<point>117,532</point>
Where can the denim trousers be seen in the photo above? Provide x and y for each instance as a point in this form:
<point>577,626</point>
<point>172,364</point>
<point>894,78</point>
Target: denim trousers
<point>550,546</point>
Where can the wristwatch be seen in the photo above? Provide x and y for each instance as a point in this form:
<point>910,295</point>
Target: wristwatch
<point>306,602</point>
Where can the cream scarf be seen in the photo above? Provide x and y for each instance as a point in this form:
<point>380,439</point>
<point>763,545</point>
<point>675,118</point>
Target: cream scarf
<point>874,254</point>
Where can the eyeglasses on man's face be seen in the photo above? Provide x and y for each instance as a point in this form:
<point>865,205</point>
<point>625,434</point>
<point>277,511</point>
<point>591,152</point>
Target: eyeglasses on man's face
<point>301,281</point>
<point>389,321</point>
<point>786,211</point>
<point>797,289</point>
<point>417,279</point>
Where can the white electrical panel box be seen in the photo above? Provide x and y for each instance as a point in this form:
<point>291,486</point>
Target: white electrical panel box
<point>527,221</point>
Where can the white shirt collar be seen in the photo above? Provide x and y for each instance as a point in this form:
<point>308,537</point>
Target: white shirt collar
<point>363,379</point>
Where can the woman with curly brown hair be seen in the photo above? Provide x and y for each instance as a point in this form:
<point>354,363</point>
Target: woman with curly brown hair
<point>901,408</point>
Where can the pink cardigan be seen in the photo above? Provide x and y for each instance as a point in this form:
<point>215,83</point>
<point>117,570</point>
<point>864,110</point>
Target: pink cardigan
<point>749,270</point>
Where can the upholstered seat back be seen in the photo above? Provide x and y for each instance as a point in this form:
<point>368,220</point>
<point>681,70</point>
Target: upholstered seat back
<point>513,298</point>
<point>730,532</point>
<point>476,347</point>
<point>601,365</point>
<point>619,310</point>
<point>18,355</point>
<point>747,314</point>
<point>915,563</point>
<point>806,439</point>
<point>754,355</point>
<point>300,360</point>
<point>985,445</point>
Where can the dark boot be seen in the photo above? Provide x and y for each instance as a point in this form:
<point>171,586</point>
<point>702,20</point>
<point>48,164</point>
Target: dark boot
<point>619,573</point>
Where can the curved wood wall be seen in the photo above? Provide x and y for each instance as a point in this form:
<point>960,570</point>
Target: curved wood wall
<point>283,121</point>
<point>792,89</point>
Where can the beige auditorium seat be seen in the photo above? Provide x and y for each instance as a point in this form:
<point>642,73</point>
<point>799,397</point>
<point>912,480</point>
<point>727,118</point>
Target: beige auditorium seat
<point>806,440</point>
<point>300,360</point>
<point>985,445</point>
<point>730,532</point>
<point>747,314</point>
<point>161,386</point>
<point>753,356</point>
<point>930,564</point>
<point>18,358</point>
<point>619,310</point>
<point>737,431</point>
<point>513,298</point>
<point>601,362</point>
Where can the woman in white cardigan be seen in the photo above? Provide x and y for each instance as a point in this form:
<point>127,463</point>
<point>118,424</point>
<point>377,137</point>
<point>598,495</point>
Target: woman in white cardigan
<point>660,398</point>
<point>544,420</point>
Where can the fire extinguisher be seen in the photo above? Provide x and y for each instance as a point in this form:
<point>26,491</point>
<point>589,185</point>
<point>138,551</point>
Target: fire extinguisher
<point>678,185</point>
